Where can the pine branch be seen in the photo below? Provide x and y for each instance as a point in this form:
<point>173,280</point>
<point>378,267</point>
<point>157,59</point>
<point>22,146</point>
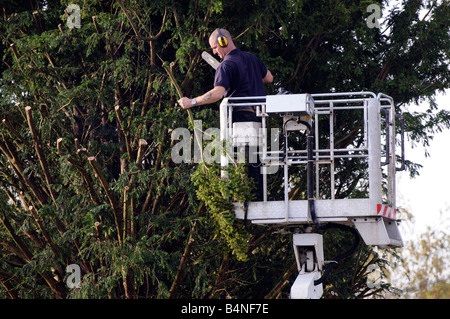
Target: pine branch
<point>18,167</point>
<point>126,214</point>
<point>150,191</point>
<point>178,276</point>
<point>177,21</point>
<point>26,253</point>
<point>109,193</point>
<point>86,178</point>
<point>97,28</point>
<point>13,48</point>
<point>5,279</point>
<point>130,20</point>
<point>124,130</point>
<point>37,21</point>
<point>140,154</point>
<point>220,277</point>
<point>54,286</point>
<point>13,131</point>
<point>275,292</point>
<point>40,153</point>
<point>174,82</point>
<point>44,231</point>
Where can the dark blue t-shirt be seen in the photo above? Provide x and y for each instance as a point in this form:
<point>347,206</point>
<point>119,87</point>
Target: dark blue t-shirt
<point>241,74</point>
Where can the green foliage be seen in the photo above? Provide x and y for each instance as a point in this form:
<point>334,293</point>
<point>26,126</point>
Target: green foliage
<point>218,194</point>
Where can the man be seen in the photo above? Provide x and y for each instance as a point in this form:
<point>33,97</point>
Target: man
<point>239,74</point>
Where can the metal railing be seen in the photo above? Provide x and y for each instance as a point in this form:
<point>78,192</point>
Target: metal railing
<point>376,140</point>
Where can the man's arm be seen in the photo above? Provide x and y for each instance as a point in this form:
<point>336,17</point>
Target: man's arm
<point>209,97</point>
<point>268,78</point>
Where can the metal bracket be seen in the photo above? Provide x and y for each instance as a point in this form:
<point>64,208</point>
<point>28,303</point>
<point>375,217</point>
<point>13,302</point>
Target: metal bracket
<point>308,249</point>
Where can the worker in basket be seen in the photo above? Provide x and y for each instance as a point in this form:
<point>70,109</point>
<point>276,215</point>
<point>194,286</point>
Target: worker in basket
<point>240,74</point>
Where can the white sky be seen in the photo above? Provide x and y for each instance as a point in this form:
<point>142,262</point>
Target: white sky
<point>427,195</point>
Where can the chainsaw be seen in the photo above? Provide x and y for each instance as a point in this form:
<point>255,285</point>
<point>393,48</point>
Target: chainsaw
<point>210,60</point>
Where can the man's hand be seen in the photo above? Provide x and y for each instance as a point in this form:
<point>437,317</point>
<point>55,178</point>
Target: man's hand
<point>185,102</point>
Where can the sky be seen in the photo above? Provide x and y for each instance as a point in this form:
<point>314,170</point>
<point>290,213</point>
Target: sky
<point>427,195</point>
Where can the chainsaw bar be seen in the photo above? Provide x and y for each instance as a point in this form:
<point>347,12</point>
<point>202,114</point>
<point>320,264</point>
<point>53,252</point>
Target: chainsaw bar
<point>210,60</point>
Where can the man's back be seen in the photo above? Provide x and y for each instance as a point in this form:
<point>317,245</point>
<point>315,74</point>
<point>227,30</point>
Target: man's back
<point>241,74</point>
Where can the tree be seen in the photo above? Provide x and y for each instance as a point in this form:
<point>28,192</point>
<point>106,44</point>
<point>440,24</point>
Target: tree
<point>426,266</point>
<point>87,114</point>
<point>421,271</point>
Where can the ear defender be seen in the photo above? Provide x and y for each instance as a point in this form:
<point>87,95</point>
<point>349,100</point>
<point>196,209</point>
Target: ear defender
<point>221,39</point>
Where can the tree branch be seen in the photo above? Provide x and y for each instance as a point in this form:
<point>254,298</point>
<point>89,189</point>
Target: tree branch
<point>26,253</point>
<point>112,198</point>
<point>40,153</point>
<point>275,292</point>
<point>18,167</point>
<point>178,276</point>
<point>87,179</point>
<point>44,231</point>
<point>124,129</point>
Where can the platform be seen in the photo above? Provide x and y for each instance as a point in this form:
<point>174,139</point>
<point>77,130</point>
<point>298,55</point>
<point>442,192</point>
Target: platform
<point>373,226</point>
<point>313,118</point>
